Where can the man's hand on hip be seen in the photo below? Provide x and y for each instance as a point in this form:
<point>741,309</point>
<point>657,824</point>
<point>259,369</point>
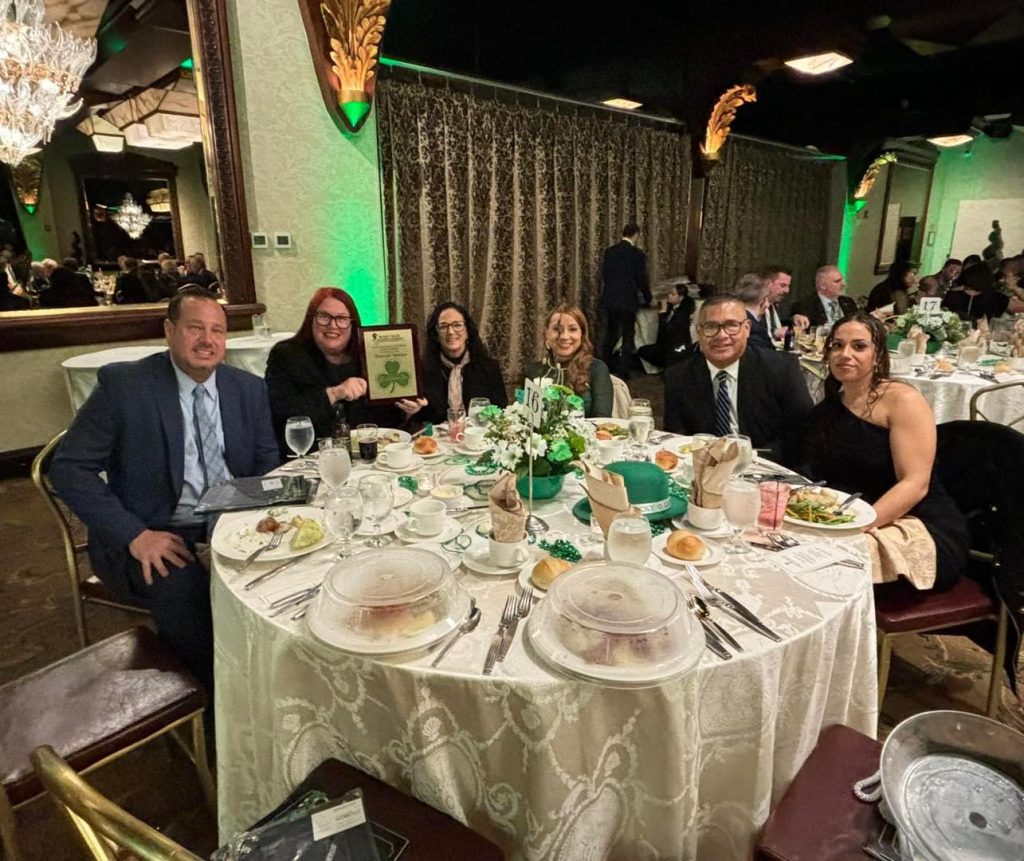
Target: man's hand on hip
<point>152,549</point>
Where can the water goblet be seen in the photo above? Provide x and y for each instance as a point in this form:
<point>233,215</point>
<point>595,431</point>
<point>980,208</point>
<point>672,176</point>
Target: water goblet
<point>641,426</point>
<point>741,504</point>
<point>378,499</point>
<point>344,512</point>
<point>334,464</point>
<point>746,451</point>
<point>299,434</point>
<point>476,406</point>
<point>628,539</point>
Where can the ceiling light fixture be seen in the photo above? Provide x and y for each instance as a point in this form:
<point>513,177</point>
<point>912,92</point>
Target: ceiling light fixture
<point>41,68</point>
<point>131,218</point>
<point>105,136</point>
<point>951,140</point>
<point>160,118</point>
<point>622,104</point>
<point>820,64</point>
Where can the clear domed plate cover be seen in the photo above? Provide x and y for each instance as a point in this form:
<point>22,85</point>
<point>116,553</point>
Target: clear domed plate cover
<point>617,623</point>
<point>388,601</point>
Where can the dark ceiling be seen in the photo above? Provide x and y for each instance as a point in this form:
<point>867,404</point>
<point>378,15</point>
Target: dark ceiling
<point>929,69</point>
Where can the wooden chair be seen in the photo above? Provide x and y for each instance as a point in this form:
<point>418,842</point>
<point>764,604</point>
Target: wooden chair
<point>82,591</point>
<point>102,826</point>
<point>975,406</point>
<point>93,707</point>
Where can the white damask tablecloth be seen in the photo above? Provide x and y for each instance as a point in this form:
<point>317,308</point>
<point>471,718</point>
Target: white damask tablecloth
<point>547,767</point>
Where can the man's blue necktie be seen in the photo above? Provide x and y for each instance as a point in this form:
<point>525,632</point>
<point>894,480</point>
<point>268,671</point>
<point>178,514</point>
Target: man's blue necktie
<point>723,405</point>
<point>211,456</point>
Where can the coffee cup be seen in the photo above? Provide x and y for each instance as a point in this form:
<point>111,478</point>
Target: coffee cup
<point>396,455</point>
<point>1017,363</point>
<point>427,516</point>
<point>703,518</point>
<point>473,438</point>
<point>449,494</point>
<point>507,554</point>
<point>610,450</point>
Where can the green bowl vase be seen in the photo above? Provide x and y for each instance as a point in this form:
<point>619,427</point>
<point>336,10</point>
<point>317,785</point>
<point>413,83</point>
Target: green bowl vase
<point>544,486</point>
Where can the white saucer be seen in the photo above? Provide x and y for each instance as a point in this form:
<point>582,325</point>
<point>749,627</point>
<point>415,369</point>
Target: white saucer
<point>478,559</point>
<point>417,462</point>
<point>387,525</point>
<point>713,554</point>
<point>472,452</point>
<point>402,496</point>
<point>448,532</point>
<point>720,531</point>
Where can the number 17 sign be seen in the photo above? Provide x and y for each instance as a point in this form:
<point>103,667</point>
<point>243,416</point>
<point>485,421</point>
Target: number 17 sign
<point>533,400</point>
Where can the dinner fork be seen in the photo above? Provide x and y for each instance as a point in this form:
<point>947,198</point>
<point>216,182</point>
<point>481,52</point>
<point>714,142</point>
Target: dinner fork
<point>508,616</point>
<point>716,598</point>
<point>523,606</point>
<point>273,544</point>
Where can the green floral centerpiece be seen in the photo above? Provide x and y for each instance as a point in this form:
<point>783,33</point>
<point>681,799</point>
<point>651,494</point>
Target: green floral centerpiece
<point>562,438</point>
<point>947,328</point>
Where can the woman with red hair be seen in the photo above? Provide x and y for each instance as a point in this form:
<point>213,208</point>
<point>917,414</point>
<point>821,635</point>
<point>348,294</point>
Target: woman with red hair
<point>317,372</point>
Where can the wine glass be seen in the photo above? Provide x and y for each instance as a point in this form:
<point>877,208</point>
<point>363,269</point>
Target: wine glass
<point>299,434</point>
<point>628,539</point>
<point>906,349</point>
<point>344,513</point>
<point>641,425</point>
<point>335,464</point>
<point>476,406</point>
<point>741,503</point>
<point>378,499</point>
<point>746,451</point>
<point>969,357</point>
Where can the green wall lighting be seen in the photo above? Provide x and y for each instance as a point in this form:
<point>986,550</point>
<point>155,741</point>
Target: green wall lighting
<point>188,64</point>
<point>30,208</point>
<point>355,112</point>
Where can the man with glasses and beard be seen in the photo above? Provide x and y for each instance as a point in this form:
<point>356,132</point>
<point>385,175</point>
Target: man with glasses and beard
<point>728,388</point>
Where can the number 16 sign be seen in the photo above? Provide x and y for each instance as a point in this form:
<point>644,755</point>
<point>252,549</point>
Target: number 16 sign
<point>533,400</point>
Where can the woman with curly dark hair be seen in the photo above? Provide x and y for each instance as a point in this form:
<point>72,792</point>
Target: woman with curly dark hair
<point>570,360</point>
<point>877,436</point>
<point>456,367</point>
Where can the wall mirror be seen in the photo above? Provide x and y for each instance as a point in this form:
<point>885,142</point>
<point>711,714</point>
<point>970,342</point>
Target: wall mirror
<point>146,175</point>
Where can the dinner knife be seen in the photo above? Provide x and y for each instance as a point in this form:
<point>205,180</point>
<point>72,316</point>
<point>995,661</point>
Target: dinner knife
<point>741,613</point>
<point>266,575</point>
<point>712,642</point>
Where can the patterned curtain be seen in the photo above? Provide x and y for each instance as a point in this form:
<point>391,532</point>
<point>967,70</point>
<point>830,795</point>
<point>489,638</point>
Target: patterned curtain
<point>765,205</point>
<point>507,208</point>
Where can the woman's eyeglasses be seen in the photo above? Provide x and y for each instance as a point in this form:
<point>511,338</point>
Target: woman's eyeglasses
<point>451,327</point>
<point>342,321</point>
<point>730,327</point>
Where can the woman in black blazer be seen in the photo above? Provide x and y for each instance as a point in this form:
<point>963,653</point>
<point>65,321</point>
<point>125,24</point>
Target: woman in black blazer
<point>456,367</point>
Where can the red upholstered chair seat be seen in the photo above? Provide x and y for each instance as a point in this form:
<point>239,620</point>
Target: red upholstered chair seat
<point>900,610</point>
<point>819,818</point>
<point>91,705</point>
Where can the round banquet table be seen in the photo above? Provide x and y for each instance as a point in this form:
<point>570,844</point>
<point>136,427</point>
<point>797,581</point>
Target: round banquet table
<point>950,396</point>
<point>250,353</point>
<point>546,766</point>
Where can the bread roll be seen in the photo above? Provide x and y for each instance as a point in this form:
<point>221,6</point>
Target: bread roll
<point>685,545</point>
<point>425,445</point>
<point>547,570</point>
<point>666,460</point>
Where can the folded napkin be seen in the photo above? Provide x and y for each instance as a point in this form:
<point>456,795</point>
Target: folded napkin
<point>919,338</point>
<point>508,514</point>
<point>713,466</point>
<point>903,548</point>
<point>974,338</point>
<point>607,494</point>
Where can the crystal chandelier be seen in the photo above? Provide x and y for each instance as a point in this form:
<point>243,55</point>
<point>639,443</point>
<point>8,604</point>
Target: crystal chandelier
<point>130,217</point>
<point>41,67</point>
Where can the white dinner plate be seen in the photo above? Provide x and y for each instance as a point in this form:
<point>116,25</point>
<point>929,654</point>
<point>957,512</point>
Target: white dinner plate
<point>402,496</point>
<point>713,554</point>
<point>525,579</point>
<point>413,465</point>
<point>863,515</point>
<point>478,559</point>
<point>620,423</point>
<point>386,436</point>
<point>238,538</point>
<point>450,529</point>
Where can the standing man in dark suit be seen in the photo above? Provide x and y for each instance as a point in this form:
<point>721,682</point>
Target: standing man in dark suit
<point>164,429</point>
<point>624,276</point>
<point>731,389</point>
<point>829,304</point>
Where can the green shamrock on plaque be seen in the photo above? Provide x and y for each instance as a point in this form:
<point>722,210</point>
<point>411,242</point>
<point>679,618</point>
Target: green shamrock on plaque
<point>393,376</point>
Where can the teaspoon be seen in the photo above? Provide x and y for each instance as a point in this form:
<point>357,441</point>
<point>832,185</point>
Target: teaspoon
<point>467,625</point>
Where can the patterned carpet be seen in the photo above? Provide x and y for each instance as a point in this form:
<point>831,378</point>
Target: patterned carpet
<point>38,628</point>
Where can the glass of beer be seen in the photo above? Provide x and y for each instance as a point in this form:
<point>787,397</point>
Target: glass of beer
<point>367,435</point>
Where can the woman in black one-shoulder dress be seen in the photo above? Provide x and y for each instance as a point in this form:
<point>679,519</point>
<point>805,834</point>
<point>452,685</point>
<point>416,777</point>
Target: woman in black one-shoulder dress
<point>878,436</point>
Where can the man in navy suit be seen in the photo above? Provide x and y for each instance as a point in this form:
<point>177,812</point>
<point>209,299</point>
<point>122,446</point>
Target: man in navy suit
<point>163,429</point>
<point>625,285</point>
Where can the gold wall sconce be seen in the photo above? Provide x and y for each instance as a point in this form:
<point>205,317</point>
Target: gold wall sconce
<point>720,122</point>
<point>27,178</point>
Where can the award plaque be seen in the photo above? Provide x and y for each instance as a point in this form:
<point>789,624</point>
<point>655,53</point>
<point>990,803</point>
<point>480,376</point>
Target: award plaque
<point>391,363</point>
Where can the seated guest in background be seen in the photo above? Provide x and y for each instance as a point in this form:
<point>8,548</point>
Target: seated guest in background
<point>731,389</point>
<point>197,273</point>
<point>969,261</point>
<point>977,297</point>
<point>570,360</point>
<point>162,430</point>
<point>1008,282</point>
<point>39,280</point>
<point>751,290</point>
<point>129,289</point>
<point>877,436</point>
<point>779,314</point>
<point>9,300</point>
<point>942,281</point>
<point>317,372</point>
<point>68,289</point>
<point>829,304</point>
<point>167,279</point>
<point>673,343</point>
<point>456,367</point>
<point>896,289</point>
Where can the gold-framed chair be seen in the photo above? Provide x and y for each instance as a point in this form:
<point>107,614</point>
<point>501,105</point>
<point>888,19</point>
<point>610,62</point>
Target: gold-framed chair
<point>103,827</point>
<point>90,589</point>
<point>621,398</point>
<point>975,406</point>
<point>95,706</point>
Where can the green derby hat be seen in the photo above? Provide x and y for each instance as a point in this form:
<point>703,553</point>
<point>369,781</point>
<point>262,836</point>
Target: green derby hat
<point>647,488</point>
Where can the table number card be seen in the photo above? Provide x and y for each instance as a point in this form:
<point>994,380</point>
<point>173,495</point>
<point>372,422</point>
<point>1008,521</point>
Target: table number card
<point>931,307</point>
<point>533,400</point>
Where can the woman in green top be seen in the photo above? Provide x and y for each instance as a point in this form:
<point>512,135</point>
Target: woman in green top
<point>570,360</point>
